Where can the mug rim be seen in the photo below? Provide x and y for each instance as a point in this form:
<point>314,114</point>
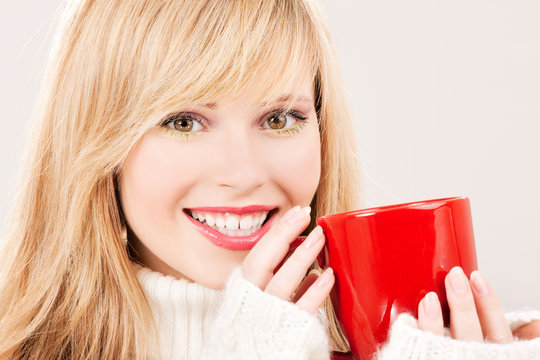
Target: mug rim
<point>384,208</point>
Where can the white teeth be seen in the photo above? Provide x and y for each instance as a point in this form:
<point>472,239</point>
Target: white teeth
<point>237,232</point>
<point>220,222</point>
<point>246,222</point>
<point>232,224</point>
<point>210,219</point>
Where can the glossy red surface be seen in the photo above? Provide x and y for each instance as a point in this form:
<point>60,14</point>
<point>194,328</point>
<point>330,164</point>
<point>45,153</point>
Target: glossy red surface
<point>292,248</point>
<point>386,259</point>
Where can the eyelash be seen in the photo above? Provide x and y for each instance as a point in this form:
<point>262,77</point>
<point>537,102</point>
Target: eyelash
<point>292,130</point>
<point>180,134</point>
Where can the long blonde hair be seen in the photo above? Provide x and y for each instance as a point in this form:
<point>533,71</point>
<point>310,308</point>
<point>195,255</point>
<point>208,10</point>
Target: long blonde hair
<point>67,287</point>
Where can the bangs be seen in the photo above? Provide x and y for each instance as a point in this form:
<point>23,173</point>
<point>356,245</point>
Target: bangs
<point>222,50</point>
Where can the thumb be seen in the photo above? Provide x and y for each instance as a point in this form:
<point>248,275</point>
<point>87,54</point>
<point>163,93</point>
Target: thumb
<point>528,331</point>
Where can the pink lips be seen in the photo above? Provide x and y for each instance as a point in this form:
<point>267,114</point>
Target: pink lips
<point>232,242</point>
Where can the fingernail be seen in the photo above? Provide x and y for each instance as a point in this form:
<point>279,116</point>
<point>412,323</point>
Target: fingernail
<point>431,305</point>
<point>307,210</point>
<point>290,214</point>
<point>313,238</point>
<point>325,278</point>
<point>458,280</point>
<point>298,216</point>
<point>479,283</point>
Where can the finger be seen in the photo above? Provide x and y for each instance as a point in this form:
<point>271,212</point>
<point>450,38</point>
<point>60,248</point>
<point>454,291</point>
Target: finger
<point>490,313</point>
<point>528,331</point>
<point>464,322</point>
<point>315,295</point>
<point>430,314</point>
<point>293,271</point>
<point>259,264</point>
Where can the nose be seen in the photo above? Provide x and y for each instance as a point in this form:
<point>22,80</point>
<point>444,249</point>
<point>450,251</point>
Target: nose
<point>239,163</point>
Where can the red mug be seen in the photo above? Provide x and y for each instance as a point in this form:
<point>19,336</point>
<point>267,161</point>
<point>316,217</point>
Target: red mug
<point>386,259</point>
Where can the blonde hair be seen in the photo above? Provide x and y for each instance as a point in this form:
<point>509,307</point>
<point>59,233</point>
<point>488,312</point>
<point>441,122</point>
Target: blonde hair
<point>68,290</point>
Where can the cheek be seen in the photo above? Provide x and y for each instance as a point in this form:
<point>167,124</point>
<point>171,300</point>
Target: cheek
<point>297,166</point>
<point>154,179</point>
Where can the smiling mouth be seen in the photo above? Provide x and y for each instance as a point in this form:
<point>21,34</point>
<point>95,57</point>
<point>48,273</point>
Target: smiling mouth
<point>231,223</point>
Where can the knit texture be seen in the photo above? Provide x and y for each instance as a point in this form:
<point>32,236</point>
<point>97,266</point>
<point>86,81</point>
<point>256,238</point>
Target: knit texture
<point>182,311</point>
<point>243,322</point>
<point>254,325</point>
<point>239,322</point>
<point>407,342</point>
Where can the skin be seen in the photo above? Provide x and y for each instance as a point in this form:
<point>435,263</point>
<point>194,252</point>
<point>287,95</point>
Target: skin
<point>475,312</point>
<point>236,161</point>
<point>232,159</point>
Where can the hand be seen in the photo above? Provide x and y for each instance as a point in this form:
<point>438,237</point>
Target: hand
<point>259,264</point>
<point>475,312</point>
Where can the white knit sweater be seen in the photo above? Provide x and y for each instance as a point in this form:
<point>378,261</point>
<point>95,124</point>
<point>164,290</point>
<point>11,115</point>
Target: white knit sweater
<point>242,322</point>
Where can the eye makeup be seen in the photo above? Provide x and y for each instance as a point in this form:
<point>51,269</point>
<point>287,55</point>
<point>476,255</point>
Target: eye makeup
<point>170,123</point>
<point>293,130</point>
<point>198,126</point>
<point>299,124</point>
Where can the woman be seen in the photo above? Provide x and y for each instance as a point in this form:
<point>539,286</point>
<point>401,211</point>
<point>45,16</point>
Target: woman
<point>179,147</point>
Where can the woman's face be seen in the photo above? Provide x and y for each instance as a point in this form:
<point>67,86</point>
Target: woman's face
<point>235,166</point>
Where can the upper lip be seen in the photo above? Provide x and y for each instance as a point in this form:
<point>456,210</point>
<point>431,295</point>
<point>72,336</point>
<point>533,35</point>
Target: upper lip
<point>233,210</point>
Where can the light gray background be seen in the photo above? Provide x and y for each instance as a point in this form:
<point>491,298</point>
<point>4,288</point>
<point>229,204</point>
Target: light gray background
<point>445,97</point>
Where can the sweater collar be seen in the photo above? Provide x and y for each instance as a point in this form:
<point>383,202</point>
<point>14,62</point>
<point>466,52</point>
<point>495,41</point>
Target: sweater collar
<point>165,289</point>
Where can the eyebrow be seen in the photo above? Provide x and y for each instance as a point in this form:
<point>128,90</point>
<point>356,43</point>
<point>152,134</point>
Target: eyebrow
<point>299,98</point>
<point>281,99</point>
